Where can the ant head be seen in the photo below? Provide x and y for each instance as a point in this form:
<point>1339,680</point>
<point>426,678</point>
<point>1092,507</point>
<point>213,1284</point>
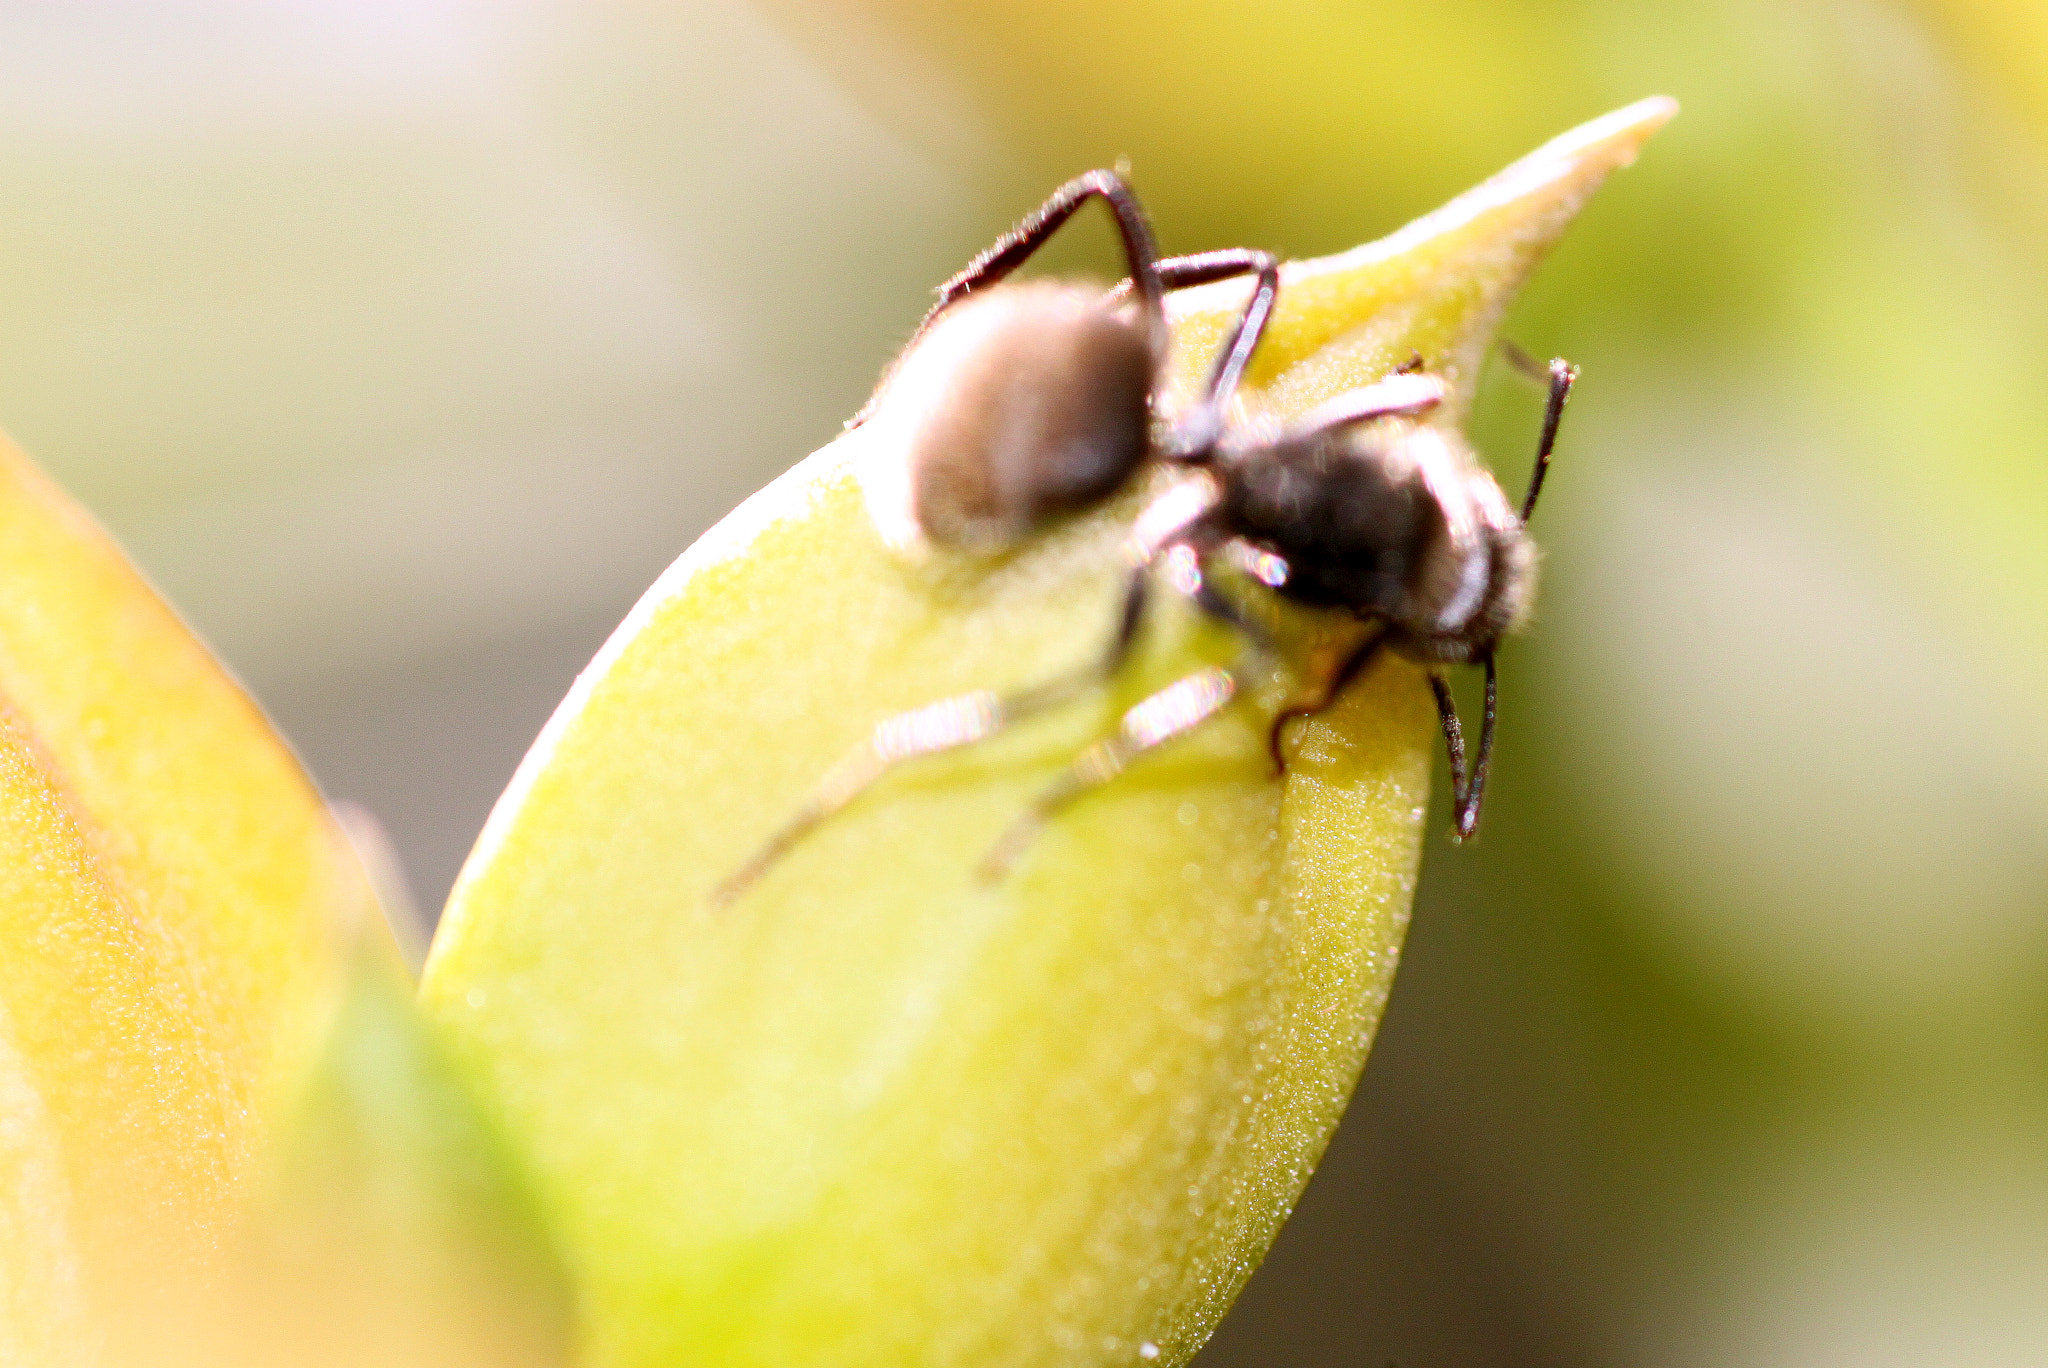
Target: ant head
<point>1475,577</point>
<point>1506,566</point>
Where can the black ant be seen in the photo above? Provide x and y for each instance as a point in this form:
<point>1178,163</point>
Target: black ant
<point>1015,403</point>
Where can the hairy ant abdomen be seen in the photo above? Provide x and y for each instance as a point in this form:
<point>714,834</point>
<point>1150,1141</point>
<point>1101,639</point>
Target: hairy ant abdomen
<point>1016,405</point>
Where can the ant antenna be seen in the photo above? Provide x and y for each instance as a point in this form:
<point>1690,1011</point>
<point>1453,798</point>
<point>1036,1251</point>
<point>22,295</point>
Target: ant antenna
<point>1468,790</point>
<point>1563,375</point>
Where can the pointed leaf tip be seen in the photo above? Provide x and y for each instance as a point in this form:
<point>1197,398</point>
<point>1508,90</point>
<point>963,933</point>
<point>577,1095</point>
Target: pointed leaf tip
<point>1437,287</point>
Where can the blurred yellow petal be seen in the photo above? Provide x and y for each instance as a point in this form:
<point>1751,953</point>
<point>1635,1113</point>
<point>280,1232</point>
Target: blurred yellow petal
<point>875,1112</point>
<point>392,1227</point>
<point>171,885</point>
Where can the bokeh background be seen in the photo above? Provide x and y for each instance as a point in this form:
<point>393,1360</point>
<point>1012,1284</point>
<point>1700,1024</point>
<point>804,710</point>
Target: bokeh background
<point>404,341</point>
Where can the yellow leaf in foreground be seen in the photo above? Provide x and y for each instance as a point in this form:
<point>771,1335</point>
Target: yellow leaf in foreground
<point>391,1228</point>
<point>169,885</point>
<point>876,1112</point>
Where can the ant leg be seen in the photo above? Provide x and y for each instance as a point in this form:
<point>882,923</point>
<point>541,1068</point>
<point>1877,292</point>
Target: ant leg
<point>1563,375</point>
<point>1468,791</point>
<point>1172,712</point>
<point>1193,580</point>
<point>1200,268</point>
<point>1177,273</point>
<point>1194,442</point>
<point>948,724</point>
<point>1196,268</point>
<point>1015,247</point>
<point>1246,332</point>
<point>1352,666</point>
<point>1402,392</point>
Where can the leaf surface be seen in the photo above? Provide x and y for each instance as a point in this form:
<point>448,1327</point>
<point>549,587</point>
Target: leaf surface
<point>877,1111</point>
<point>170,888</point>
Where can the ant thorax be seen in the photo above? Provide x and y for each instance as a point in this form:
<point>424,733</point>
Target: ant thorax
<point>1394,519</point>
<point>1017,404</point>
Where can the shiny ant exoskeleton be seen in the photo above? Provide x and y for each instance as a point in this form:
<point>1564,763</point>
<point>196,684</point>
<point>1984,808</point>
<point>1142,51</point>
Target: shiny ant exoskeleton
<point>1013,405</point>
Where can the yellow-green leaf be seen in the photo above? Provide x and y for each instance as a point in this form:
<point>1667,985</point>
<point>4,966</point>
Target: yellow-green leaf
<point>170,885</point>
<point>876,1111</point>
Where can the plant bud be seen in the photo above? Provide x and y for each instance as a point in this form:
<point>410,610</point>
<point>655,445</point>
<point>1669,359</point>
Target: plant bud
<point>879,1108</point>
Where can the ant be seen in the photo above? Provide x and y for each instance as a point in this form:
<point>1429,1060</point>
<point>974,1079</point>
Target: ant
<point>1015,403</point>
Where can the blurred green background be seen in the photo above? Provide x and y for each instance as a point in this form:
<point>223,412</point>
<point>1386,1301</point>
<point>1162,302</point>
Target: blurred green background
<point>404,341</point>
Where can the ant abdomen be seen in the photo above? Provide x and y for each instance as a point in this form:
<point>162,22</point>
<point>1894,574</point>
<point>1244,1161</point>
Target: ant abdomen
<point>1016,405</point>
